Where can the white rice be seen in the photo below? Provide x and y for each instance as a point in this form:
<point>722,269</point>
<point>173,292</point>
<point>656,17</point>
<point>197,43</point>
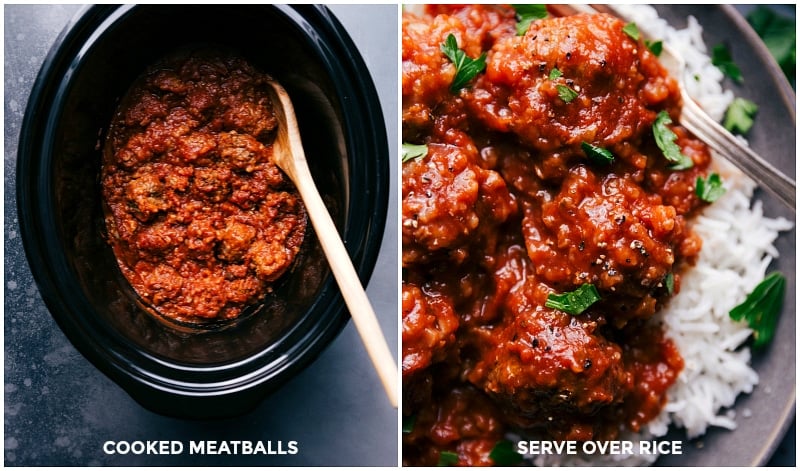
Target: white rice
<point>737,249</point>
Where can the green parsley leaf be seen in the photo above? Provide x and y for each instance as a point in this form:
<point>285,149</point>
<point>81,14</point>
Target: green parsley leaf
<point>669,282</point>
<point>574,302</point>
<point>656,47</point>
<point>466,68</point>
<point>413,151</point>
<point>408,423</point>
<point>631,30</point>
<point>739,116</point>
<point>597,154</point>
<point>780,36</point>
<point>565,93</point>
<point>721,57</point>
<point>665,140</point>
<point>447,458</point>
<point>710,189</point>
<point>503,454</point>
<point>527,14</point>
<point>762,307</point>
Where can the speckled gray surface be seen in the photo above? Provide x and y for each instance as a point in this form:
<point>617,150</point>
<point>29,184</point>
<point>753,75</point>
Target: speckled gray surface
<point>59,409</point>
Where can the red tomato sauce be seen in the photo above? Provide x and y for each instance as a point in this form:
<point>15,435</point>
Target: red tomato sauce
<point>200,219</point>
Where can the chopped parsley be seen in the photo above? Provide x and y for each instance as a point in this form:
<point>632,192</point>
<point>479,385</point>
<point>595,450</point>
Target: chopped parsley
<point>631,30</point>
<point>722,59</point>
<point>466,68</point>
<point>565,93</point>
<point>780,36</point>
<point>526,14</point>
<point>669,282</point>
<point>597,154</point>
<point>503,454</point>
<point>408,423</point>
<point>447,458</point>
<point>574,302</point>
<point>656,47</point>
<point>710,189</point>
<point>665,140</point>
<point>762,307</point>
<point>413,151</point>
<point>739,116</point>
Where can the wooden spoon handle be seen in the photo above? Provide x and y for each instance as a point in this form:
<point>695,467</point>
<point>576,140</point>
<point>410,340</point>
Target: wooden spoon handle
<point>290,156</point>
<point>352,291</point>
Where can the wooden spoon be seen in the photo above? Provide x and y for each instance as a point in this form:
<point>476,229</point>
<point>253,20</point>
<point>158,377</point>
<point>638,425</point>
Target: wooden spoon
<point>289,156</point>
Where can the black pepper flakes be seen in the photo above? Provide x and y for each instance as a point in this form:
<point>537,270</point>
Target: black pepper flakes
<point>587,363</point>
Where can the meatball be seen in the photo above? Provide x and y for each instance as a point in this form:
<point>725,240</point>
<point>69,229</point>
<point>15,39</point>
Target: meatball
<point>487,24</point>
<point>426,72</point>
<point>446,195</point>
<point>602,230</point>
<point>235,240</point>
<point>462,421</point>
<point>145,195</point>
<point>429,325</point>
<point>550,370</point>
<point>609,72</point>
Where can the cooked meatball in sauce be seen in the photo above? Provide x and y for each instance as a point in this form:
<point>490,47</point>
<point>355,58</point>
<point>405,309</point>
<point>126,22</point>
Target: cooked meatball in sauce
<point>508,207</point>
<point>200,219</point>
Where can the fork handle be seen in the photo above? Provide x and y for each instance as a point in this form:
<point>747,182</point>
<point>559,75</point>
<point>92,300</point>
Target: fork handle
<point>712,133</point>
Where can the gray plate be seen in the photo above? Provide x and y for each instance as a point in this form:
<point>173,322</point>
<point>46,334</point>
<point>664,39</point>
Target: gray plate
<point>772,403</point>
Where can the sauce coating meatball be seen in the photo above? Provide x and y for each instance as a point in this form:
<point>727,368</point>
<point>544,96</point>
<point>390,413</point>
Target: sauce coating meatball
<point>447,199</point>
<point>610,74</point>
<point>507,208</point>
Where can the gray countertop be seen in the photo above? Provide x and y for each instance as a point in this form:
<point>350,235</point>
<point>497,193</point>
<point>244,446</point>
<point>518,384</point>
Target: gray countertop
<point>59,409</point>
